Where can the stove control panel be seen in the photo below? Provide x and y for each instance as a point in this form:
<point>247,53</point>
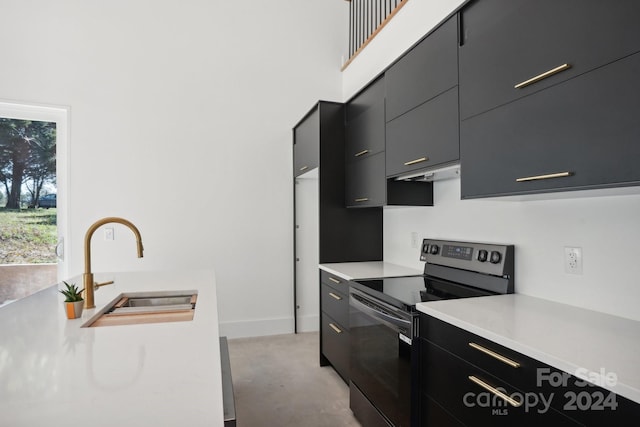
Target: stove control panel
<point>488,258</point>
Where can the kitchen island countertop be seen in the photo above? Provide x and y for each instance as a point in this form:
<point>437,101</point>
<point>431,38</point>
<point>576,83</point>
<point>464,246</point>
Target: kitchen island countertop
<point>55,372</point>
<point>575,340</point>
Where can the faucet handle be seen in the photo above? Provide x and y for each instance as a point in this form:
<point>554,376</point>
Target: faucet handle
<point>96,285</point>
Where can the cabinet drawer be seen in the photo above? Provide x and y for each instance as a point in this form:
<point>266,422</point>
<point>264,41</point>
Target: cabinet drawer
<point>306,143</point>
<point>335,345</point>
<point>336,282</point>
<point>425,136</point>
<point>365,182</point>
<point>507,42</point>
<point>365,133</point>
<point>459,342</point>
<point>335,304</point>
<point>567,394</point>
<point>427,70</point>
<point>584,130</point>
<point>454,384</point>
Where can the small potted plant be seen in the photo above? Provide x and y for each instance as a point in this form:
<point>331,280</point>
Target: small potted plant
<point>74,303</point>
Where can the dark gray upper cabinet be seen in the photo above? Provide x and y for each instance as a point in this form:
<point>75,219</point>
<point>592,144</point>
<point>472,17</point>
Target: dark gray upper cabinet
<point>424,72</point>
<point>344,235</point>
<point>365,133</point>
<point>422,104</point>
<point>365,182</point>
<point>306,143</point>
<point>425,136</point>
<point>365,177</point>
<point>513,48</point>
<point>580,134</point>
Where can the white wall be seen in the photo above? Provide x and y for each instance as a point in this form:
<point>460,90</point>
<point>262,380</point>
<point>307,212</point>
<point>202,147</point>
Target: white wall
<point>180,121</point>
<point>606,228</point>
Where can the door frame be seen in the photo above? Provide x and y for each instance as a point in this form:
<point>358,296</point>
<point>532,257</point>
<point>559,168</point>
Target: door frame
<point>59,115</point>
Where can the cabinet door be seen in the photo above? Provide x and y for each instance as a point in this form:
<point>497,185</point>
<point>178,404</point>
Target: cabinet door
<point>580,134</point>
<point>306,143</point>
<point>426,71</point>
<point>366,182</point>
<point>508,42</point>
<point>365,133</point>
<point>425,136</point>
<point>335,345</point>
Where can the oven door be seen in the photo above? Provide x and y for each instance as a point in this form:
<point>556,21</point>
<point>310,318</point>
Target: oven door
<point>381,355</point>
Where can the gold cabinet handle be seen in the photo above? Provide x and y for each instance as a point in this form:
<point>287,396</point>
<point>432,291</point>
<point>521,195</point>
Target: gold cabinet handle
<point>495,355</point>
<point>304,168</point>
<point>362,199</point>
<point>338,330</point>
<point>413,162</point>
<point>542,76</point>
<point>547,176</point>
<point>361,153</point>
<point>336,281</point>
<point>510,400</point>
<point>337,297</point>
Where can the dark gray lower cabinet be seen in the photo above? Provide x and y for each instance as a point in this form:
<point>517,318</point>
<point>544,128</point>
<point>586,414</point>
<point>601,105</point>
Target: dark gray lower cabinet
<point>580,134</point>
<point>462,377</point>
<point>334,323</point>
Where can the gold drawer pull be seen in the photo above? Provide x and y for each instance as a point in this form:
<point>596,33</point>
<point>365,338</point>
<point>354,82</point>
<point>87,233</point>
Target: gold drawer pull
<point>361,153</point>
<point>335,328</point>
<point>511,401</point>
<point>413,162</point>
<point>338,297</point>
<point>542,76</point>
<point>547,176</point>
<point>304,168</point>
<point>495,355</point>
<point>336,281</point>
<point>362,199</point>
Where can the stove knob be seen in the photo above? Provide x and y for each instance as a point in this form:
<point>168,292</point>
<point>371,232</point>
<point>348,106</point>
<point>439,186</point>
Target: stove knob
<point>483,255</point>
<point>425,248</point>
<point>495,257</point>
<point>433,249</point>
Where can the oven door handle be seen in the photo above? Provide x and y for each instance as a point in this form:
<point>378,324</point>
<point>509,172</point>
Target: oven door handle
<point>393,320</point>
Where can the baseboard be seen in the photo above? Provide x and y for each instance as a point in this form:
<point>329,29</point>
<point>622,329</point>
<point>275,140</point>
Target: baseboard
<point>263,327</point>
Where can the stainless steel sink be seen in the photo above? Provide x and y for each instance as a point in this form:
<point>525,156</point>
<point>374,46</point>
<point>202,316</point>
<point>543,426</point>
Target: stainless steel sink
<point>157,301</point>
<point>167,305</point>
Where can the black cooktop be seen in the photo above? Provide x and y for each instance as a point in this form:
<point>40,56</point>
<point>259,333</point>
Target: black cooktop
<point>406,292</point>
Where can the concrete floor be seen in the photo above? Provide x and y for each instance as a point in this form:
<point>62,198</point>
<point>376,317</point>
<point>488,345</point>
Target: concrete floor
<point>278,381</point>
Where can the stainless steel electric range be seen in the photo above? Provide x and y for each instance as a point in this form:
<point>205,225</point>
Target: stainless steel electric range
<point>383,322</point>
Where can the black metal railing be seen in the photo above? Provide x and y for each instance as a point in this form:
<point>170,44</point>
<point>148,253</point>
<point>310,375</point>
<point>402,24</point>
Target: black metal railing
<point>366,18</point>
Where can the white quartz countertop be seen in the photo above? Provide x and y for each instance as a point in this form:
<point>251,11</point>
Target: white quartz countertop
<point>53,372</point>
<point>368,270</point>
<point>575,340</point>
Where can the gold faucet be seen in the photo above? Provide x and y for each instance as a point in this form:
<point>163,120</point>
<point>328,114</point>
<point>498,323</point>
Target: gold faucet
<point>87,277</point>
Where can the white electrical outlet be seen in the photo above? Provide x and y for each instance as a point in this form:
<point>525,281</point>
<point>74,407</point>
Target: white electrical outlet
<point>415,244</point>
<point>572,260</point>
<point>108,233</point>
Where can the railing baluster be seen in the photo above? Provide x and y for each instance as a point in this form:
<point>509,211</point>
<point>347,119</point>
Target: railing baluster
<point>366,17</point>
